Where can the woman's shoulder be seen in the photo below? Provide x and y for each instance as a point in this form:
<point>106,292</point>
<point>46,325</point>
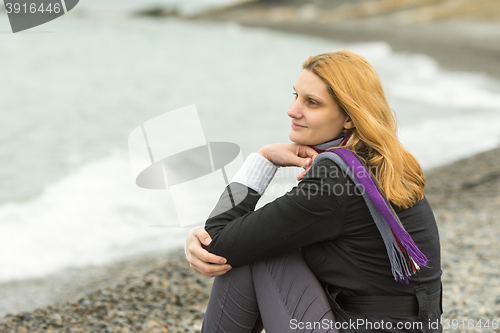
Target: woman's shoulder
<point>420,205</point>
<point>420,214</point>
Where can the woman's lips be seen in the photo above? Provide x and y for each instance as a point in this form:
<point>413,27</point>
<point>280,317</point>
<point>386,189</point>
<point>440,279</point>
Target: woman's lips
<point>296,126</point>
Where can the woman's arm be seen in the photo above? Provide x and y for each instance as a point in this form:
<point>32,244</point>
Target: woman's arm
<point>205,263</point>
<point>311,212</point>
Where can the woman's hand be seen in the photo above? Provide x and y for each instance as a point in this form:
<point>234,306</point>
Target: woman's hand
<point>290,154</point>
<point>200,260</point>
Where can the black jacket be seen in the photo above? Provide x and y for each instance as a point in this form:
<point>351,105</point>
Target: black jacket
<point>327,218</point>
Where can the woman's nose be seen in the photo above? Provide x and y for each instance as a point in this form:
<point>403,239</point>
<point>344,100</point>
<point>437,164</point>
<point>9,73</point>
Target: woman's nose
<point>294,110</point>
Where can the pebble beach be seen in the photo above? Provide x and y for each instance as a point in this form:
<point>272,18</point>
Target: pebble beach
<point>465,196</point>
<point>158,292</point>
<point>164,295</point>
<point>169,297</point>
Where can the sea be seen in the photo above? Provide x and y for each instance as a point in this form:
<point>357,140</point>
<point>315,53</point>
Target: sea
<point>73,89</point>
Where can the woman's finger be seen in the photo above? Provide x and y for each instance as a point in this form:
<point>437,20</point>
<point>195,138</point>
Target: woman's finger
<point>301,175</point>
<point>195,248</point>
<point>206,263</point>
<point>206,269</point>
<point>201,254</point>
<point>202,236</point>
<point>306,151</point>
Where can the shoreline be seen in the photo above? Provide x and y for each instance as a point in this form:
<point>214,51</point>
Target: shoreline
<point>456,44</point>
<point>425,39</point>
<point>73,282</point>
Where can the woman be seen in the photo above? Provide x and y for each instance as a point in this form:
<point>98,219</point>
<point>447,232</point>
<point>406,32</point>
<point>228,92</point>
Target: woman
<point>369,257</point>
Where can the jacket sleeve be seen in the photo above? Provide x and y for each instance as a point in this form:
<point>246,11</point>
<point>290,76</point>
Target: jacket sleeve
<point>313,211</point>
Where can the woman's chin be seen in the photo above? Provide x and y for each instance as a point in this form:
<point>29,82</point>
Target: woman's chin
<point>295,138</point>
<point>299,139</point>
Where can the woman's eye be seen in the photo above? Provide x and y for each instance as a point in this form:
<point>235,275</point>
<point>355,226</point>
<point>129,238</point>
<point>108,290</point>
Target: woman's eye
<point>295,94</point>
<point>312,102</point>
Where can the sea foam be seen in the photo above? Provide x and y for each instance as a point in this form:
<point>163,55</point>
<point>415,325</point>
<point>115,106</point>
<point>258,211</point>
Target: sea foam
<point>90,217</point>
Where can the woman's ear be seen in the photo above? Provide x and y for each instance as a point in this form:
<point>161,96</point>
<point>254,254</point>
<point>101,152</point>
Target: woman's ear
<point>348,123</point>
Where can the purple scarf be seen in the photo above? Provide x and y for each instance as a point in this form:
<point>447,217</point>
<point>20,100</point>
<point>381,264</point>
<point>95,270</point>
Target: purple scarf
<point>404,255</point>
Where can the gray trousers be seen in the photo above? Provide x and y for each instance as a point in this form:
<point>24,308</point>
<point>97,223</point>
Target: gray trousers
<point>280,294</point>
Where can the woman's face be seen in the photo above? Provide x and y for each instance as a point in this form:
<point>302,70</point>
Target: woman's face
<point>316,117</point>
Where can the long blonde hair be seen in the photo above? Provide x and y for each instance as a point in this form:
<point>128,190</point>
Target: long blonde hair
<point>356,87</point>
